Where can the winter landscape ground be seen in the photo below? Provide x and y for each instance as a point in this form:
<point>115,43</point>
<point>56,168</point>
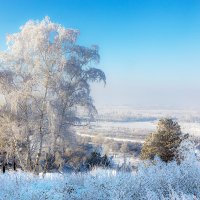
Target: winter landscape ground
<point>149,182</point>
<point>99,100</point>
<point>161,181</point>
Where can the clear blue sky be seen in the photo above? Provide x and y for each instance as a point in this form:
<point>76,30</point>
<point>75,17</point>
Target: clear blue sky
<point>150,50</point>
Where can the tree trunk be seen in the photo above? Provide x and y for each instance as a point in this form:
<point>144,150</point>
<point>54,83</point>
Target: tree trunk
<point>14,163</point>
<point>4,162</point>
<point>41,127</point>
<point>37,164</point>
<point>29,160</point>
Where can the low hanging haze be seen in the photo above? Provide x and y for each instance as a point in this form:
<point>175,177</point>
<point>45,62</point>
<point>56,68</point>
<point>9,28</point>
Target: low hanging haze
<point>150,50</point>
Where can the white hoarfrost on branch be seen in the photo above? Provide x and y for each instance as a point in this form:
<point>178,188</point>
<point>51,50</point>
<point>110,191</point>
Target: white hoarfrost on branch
<point>45,79</point>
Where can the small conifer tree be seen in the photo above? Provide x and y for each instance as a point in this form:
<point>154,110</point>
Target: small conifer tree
<point>164,142</point>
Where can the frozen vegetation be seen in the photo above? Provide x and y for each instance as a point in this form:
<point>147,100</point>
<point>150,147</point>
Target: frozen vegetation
<point>151,182</point>
<point>47,127</point>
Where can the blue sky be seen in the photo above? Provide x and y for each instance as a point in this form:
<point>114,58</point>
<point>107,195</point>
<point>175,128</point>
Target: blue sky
<point>150,49</point>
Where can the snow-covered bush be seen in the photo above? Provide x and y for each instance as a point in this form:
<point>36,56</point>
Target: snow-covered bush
<point>156,181</point>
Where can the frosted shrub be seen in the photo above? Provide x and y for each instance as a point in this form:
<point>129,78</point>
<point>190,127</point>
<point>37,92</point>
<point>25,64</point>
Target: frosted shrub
<point>169,181</point>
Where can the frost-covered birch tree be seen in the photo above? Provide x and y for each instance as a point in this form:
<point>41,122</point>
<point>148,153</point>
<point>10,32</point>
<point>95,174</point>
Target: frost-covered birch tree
<point>45,81</point>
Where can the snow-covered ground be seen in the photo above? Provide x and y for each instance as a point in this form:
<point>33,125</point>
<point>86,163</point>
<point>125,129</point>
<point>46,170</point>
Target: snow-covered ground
<point>193,128</point>
<point>150,182</point>
<point>129,124</point>
<point>111,138</point>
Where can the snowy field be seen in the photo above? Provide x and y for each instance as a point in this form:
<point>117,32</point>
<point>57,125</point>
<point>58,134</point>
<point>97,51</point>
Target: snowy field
<point>128,124</point>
